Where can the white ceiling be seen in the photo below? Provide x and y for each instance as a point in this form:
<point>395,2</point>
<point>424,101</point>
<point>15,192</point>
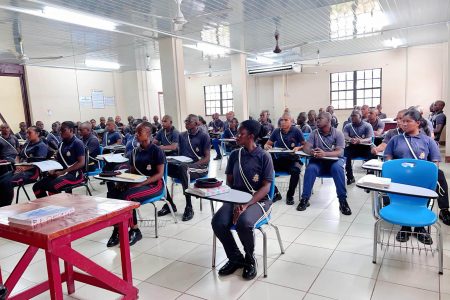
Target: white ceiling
<point>246,26</point>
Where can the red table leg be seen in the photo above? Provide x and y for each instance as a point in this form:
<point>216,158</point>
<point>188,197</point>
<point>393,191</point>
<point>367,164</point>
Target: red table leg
<point>69,276</point>
<point>54,276</point>
<point>125,252</point>
<point>20,268</point>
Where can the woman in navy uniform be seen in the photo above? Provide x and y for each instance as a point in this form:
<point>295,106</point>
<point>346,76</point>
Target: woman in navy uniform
<point>287,137</point>
<point>147,160</point>
<point>228,133</point>
<point>33,150</point>
<point>71,155</point>
<point>416,145</point>
<point>249,169</point>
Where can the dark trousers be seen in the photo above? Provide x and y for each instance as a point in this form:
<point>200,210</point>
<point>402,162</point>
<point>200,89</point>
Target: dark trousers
<point>293,167</point>
<point>136,194</point>
<point>216,144</point>
<point>354,151</point>
<point>323,167</point>
<point>180,171</point>
<point>6,188</point>
<point>222,222</point>
<point>54,185</point>
<point>114,167</point>
<point>26,177</point>
<point>443,191</point>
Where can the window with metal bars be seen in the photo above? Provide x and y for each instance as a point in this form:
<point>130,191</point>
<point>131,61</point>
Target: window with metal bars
<point>218,99</point>
<point>348,89</point>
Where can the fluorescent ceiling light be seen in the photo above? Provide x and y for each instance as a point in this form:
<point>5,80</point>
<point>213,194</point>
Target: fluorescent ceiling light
<point>209,49</point>
<point>262,60</point>
<point>101,64</point>
<point>393,42</point>
<point>81,19</point>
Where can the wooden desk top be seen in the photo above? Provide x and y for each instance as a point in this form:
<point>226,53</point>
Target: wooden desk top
<point>88,210</point>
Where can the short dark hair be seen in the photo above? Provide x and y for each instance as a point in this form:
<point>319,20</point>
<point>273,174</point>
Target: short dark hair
<point>68,124</point>
<point>252,127</point>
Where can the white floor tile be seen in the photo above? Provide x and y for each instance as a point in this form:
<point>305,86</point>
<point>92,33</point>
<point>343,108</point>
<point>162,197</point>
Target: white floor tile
<point>145,265</point>
<point>330,226</point>
<point>291,275</point>
<point>178,276</point>
<point>297,221</point>
<point>409,274</point>
<point>357,245</point>
<point>310,296</point>
<point>202,256</point>
<point>307,255</point>
<point>196,235</point>
<point>342,286</point>
<point>213,286</point>
<point>389,291</point>
<point>172,249</point>
<point>263,290</point>
<point>319,239</point>
<point>351,263</point>
<point>151,291</point>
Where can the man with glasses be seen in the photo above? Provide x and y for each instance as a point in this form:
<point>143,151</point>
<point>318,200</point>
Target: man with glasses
<point>195,144</point>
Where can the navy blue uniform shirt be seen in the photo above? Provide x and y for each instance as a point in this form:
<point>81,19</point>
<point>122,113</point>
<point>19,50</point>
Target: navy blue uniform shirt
<point>257,166</point>
<point>53,140</point>
<point>146,160</point>
<point>91,142</point>
<point>362,130</point>
<point>424,147</point>
<point>69,151</point>
<point>110,138</point>
<point>8,147</point>
<point>32,152</point>
<point>166,138</point>
<point>217,125</point>
<point>293,138</point>
<point>200,144</point>
<point>328,143</point>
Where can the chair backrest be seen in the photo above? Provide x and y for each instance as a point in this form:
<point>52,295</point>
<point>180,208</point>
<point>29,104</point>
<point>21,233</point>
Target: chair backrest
<point>272,188</point>
<point>306,135</point>
<point>101,150</point>
<point>166,172</point>
<point>420,173</point>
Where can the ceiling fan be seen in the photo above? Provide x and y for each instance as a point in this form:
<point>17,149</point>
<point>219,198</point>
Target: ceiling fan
<point>24,58</point>
<point>318,62</point>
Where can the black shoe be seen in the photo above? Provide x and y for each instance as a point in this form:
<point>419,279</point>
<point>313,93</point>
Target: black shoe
<point>403,234</point>
<point>114,239</point>
<point>290,200</point>
<point>102,183</point>
<point>249,267</point>
<point>231,266</point>
<point>423,236</point>
<point>344,208</point>
<point>350,180</point>
<point>304,203</point>
<point>188,213</point>
<point>277,197</point>
<point>134,235</point>
<point>218,157</point>
<point>444,215</point>
<point>386,200</point>
<point>165,210</point>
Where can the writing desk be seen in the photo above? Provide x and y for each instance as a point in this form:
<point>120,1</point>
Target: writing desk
<point>394,188</point>
<point>91,215</point>
<point>371,167</point>
<point>118,179</point>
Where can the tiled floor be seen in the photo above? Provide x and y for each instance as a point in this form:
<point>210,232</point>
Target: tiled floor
<point>328,256</point>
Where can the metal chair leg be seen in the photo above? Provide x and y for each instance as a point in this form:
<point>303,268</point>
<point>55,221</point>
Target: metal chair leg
<point>213,263</point>
<point>156,219</point>
<point>88,190</point>
<point>375,241</point>
<point>171,210</point>
<point>26,193</point>
<point>17,194</point>
<point>440,248</point>
<point>201,204</point>
<point>280,242</point>
<point>264,250</point>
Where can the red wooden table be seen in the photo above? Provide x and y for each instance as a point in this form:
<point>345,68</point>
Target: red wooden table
<point>91,214</point>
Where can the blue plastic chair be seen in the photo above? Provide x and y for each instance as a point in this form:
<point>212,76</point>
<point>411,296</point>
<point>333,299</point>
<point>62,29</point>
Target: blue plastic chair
<point>225,153</point>
<point>408,210</point>
<point>306,135</point>
<point>265,221</point>
<point>154,199</point>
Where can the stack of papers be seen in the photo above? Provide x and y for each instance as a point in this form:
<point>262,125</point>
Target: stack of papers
<point>40,215</point>
<point>223,189</point>
<point>374,163</point>
<point>130,176</point>
<point>275,149</point>
<point>114,158</point>
<point>372,180</point>
<point>181,158</point>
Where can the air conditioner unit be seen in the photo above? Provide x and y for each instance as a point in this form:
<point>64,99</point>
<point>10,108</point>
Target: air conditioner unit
<point>273,70</point>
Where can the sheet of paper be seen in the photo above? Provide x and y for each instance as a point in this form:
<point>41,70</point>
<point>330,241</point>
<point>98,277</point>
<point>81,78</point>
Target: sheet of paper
<point>115,158</point>
<point>98,100</point>
<point>181,158</point>
<point>48,165</point>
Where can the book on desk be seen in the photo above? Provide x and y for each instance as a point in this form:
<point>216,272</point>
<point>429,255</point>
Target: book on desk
<point>41,215</point>
<point>44,166</point>
<point>202,192</point>
<point>377,182</point>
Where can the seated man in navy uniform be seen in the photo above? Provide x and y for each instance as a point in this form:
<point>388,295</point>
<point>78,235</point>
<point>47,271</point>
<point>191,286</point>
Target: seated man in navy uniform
<point>358,134</point>
<point>9,144</point>
<point>71,156</point>
<point>22,134</point>
<point>195,144</point>
<point>228,133</point>
<point>54,138</point>
<point>34,150</point>
<point>147,160</point>
<point>167,137</point>
<point>325,141</point>
<point>249,169</point>
<point>91,142</point>
<point>287,137</point>
<point>377,125</point>
<point>111,136</point>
